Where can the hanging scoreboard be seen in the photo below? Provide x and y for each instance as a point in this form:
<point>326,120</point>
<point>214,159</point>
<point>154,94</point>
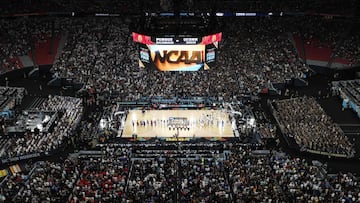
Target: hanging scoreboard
<point>177,53</point>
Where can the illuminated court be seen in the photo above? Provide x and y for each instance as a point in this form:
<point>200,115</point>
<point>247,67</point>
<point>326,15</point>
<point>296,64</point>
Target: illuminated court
<point>181,123</point>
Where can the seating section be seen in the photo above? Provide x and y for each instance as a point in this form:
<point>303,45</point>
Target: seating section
<point>33,142</point>
<point>230,173</point>
<point>49,182</point>
<point>349,92</point>
<point>304,120</point>
<point>103,179</point>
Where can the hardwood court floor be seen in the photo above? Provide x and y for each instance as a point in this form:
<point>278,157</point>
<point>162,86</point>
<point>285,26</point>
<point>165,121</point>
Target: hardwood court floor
<point>200,123</point>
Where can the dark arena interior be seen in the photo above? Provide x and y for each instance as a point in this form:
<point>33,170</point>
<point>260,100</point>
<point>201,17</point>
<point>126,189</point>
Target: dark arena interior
<point>179,101</point>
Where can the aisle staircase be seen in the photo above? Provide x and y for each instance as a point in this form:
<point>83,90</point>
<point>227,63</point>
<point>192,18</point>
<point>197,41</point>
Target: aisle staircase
<point>36,104</point>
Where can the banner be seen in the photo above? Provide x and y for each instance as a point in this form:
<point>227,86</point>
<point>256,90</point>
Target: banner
<point>143,39</point>
<point>212,38</point>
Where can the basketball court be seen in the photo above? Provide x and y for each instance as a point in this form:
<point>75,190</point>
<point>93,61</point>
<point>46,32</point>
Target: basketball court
<point>178,123</point>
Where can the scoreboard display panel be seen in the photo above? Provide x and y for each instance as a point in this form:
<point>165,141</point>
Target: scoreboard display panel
<point>210,54</point>
<point>180,53</point>
<point>177,57</point>
<point>144,55</point>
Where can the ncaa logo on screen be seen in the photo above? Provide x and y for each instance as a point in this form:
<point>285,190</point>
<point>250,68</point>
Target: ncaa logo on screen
<point>177,57</point>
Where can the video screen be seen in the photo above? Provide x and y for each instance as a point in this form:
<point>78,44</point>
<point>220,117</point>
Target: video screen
<point>176,53</point>
<point>210,55</point>
<point>144,55</point>
<point>177,57</point>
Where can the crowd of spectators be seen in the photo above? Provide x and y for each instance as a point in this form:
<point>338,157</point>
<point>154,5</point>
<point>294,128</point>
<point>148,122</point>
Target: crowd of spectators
<point>327,33</point>
<point>13,94</point>
<point>14,41</point>
<point>204,180</point>
<point>265,126</point>
<point>259,36</point>
<point>348,90</point>
<point>46,142</point>
<point>340,35</point>
<point>101,54</point>
<point>98,52</point>
<point>271,48</point>
<point>278,177</point>
<point>90,126</point>
<point>235,173</point>
<point>82,6</point>
<point>20,37</point>
<point>124,6</point>
<point>103,179</point>
<point>12,186</point>
<point>49,182</point>
<point>304,120</point>
<point>153,180</point>
<point>267,130</point>
<point>349,48</point>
